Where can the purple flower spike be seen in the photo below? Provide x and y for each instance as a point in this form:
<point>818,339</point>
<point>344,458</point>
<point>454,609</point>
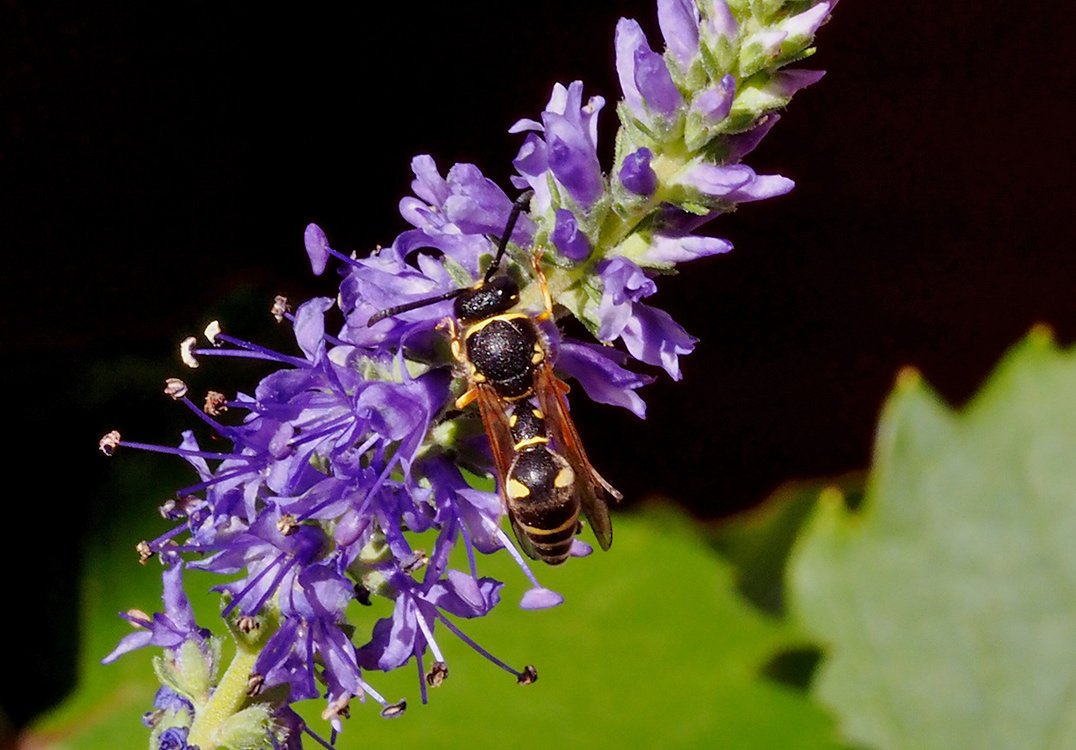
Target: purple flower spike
<point>345,474</point>
<point>637,175</point>
<point>566,236</point>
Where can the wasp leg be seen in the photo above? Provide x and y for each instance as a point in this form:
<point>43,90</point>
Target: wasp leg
<point>467,398</point>
<point>543,285</point>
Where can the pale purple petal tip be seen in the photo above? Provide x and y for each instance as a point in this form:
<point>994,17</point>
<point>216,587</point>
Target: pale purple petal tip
<point>317,248</point>
<point>580,548</point>
<point>541,598</point>
<point>681,249</point>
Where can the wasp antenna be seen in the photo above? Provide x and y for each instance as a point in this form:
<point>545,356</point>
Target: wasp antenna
<point>509,227</point>
<point>380,315</point>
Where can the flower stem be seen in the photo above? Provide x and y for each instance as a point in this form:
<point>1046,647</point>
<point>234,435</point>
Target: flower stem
<point>227,698</point>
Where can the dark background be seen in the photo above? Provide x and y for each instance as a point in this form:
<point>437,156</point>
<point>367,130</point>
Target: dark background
<point>159,163</point>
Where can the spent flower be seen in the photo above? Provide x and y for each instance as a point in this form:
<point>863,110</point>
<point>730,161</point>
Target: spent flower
<point>345,476</point>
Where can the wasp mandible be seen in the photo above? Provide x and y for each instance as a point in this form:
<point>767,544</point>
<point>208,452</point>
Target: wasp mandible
<point>542,471</point>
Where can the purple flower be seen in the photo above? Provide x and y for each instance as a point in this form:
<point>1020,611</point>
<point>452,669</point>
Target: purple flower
<point>568,151</point>
<point>637,175</point>
<point>568,238</point>
<point>601,372</point>
<point>169,629</point>
<point>648,87</point>
<point>736,183</point>
<point>650,335</point>
<point>714,104</point>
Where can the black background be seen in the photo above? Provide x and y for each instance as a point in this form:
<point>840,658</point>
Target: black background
<point>159,163</point>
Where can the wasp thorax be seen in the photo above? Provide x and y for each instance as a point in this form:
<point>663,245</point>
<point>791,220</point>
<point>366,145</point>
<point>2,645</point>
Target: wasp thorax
<point>496,296</point>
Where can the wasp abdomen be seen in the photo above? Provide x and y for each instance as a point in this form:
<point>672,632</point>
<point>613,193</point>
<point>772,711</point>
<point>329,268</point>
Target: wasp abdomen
<point>504,352</point>
<point>540,490</point>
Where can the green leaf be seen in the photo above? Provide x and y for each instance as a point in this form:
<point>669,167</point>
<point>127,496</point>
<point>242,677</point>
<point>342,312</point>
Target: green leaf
<point>652,647</point>
<point>947,604</point>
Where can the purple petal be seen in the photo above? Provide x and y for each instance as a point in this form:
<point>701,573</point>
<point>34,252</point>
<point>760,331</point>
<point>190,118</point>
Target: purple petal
<point>715,180</point>
<point>741,144</point>
<point>317,248</point>
<point>655,83</point>
<point>679,22</point>
<point>714,104</point>
<point>540,598</point>
<point>762,187</point>
<point>599,369</point>
<point>628,38</point>
<point>785,83</point>
<point>804,25</point>
<point>428,184</point>
<point>566,236</point>
<point>623,283</point>
<point>680,249</point>
<point>637,175</point>
<point>310,326</point>
<point>720,21</point>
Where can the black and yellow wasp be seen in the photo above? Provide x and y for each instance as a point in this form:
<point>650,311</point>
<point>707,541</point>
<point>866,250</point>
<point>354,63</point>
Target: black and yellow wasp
<point>542,470</point>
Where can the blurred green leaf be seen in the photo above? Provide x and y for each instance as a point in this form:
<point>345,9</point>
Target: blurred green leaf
<point>758,542</point>
<point>652,647</point>
<point>946,604</point>
<point>105,708</point>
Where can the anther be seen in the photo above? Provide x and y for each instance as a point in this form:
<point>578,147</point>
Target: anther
<point>145,552</point>
<point>216,403</point>
<point>279,308</point>
<point>212,331</point>
<point>186,352</point>
<point>287,524</point>
<point>417,561</point>
<point>248,624</point>
<point>393,710</point>
<point>337,707</point>
<point>175,388</point>
<point>528,676</point>
<point>109,443</point>
<point>254,685</point>
<point>137,618</point>
<point>437,674</point>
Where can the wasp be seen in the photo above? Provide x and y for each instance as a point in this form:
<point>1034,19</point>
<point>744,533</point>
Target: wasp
<point>544,476</point>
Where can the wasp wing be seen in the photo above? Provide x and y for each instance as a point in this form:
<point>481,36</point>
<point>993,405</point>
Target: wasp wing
<point>502,447</point>
<point>593,491</point>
